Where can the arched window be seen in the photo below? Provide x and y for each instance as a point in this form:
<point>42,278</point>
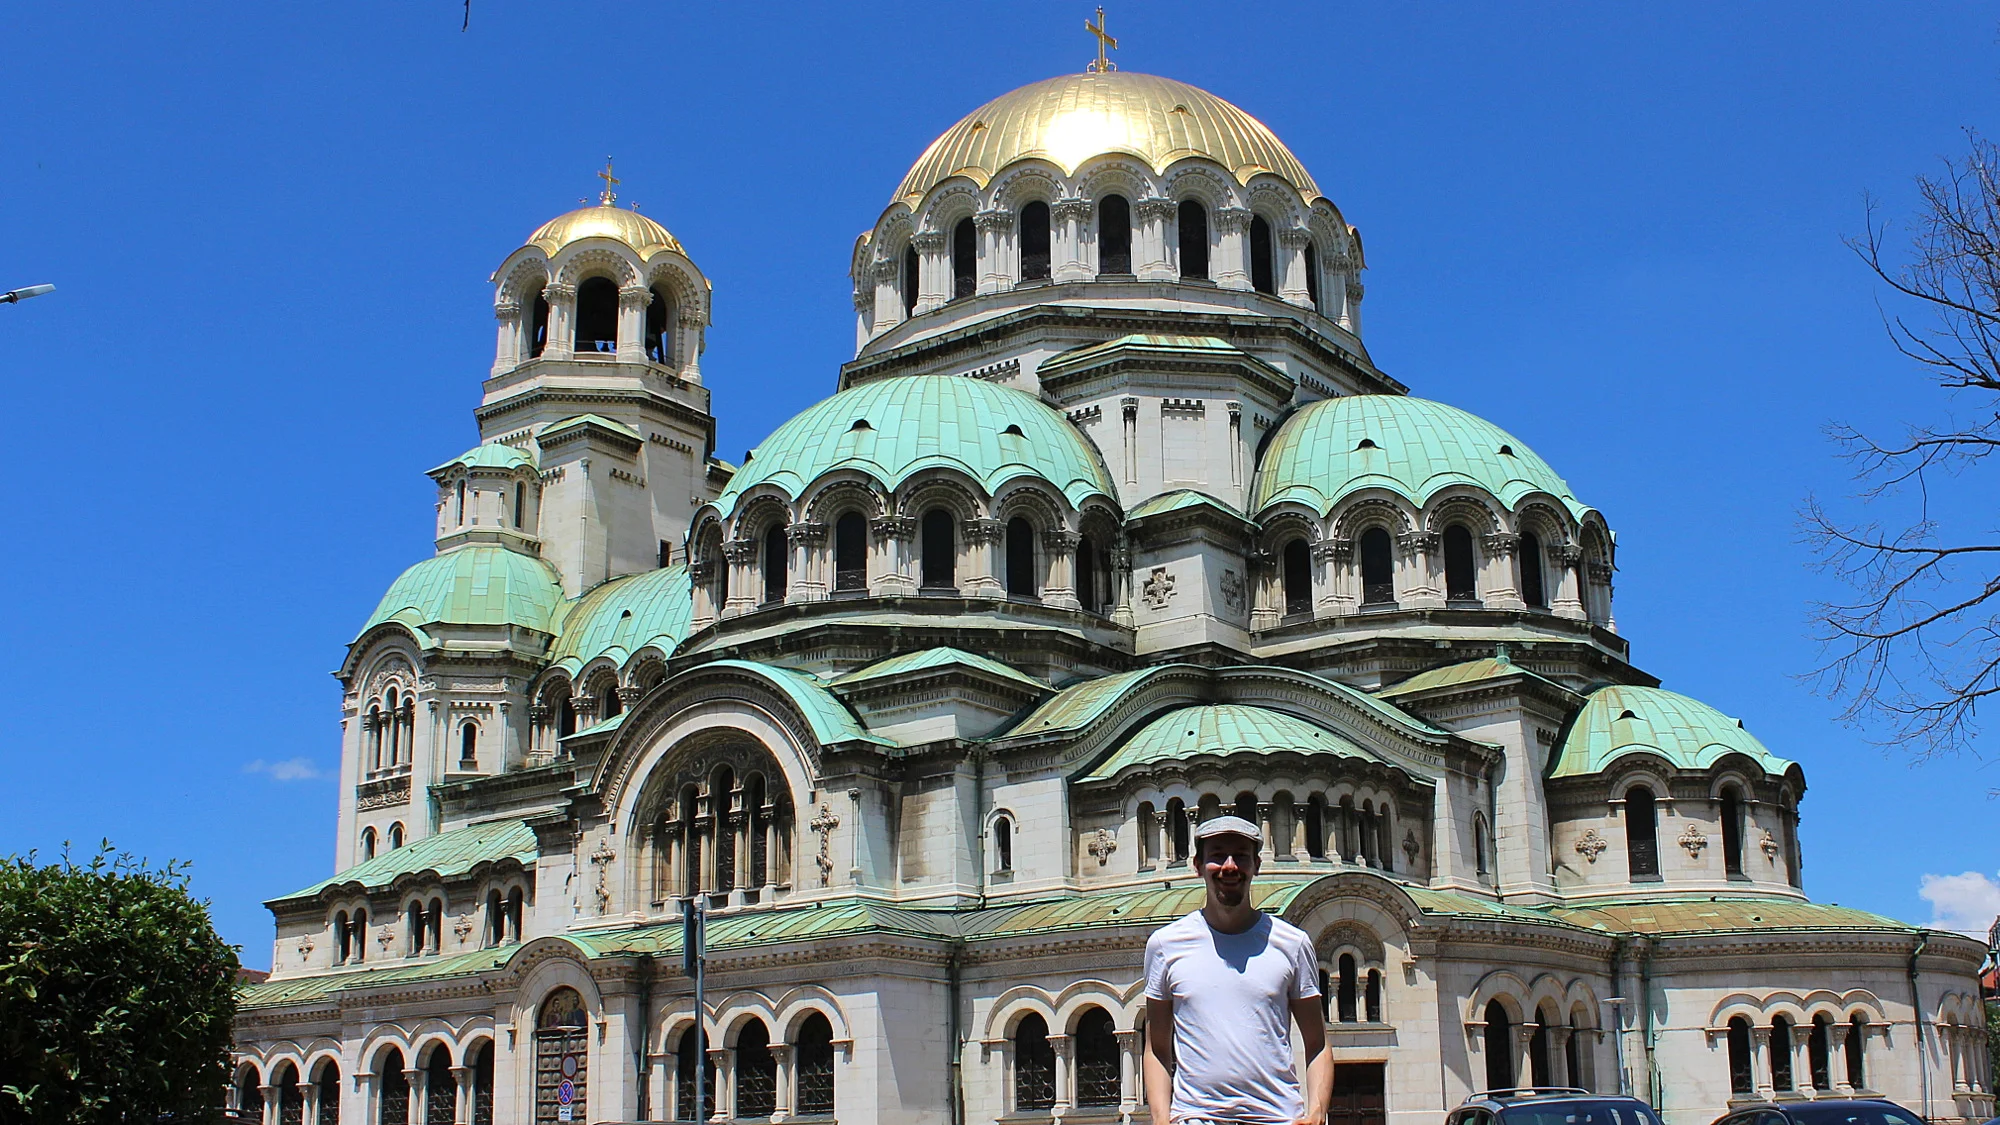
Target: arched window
<point>659,328</point>
<point>1298,577</point>
<point>1781,1054</point>
<point>1533,591</point>
<point>1149,840</point>
<point>468,745</point>
<point>1194,240</point>
<point>413,929</point>
<point>756,1072</point>
<point>440,1088</point>
<point>1114,235</point>
<point>691,840</point>
<point>774,564</point>
<point>1020,558</point>
<point>597,316</point>
<point>1460,584</point>
<point>721,784</point>
<point>561,1051</point>
<point>964,258</point>
<point>395,835</point>
<point>940,551</point>
<point>1177,828</point>
<point>1499,1047</point>
<point>1479,862</point>
<point>1642,844</point>
<point>291,1100</point>
<point>520,503</point>
<point>375,728</point>
<point>1316,826</point>
<point>814,1067</point>
<point>909,279</point>
<point>1003,844</point>
<point>360,932</point>
<point>1819,1053</point>
<point>515,901</point>
<point>1312,277</point>
<point>496,920</point>
<point>1246,807</point>
<point>434,923</point>
<point>609,704</point>
<point>538,326</point>
<point>1857,1031</point>
<point>1742,1079</point>
<point>482,1084</point>
<point>1261,278</point>
<point>1732,832</point>
<point>1034,1065</point>
<point>1086,576</point>
<point>1350,990</point>
<point>367,844</point>
<point>395,720</point>
<point>565,715</point>
<point>343,941</point>
<point>1372,997</point>
<point>394,1087</point>
<point>328,1083</point>
<point>1035,241</point>
<point>1096,1059</point>
<point>459,516</point>
<point>687,1056</point>
<point>757,811</point>
<point>1378,568</point>
<point>1540,1065</point>
<point>850,552</point>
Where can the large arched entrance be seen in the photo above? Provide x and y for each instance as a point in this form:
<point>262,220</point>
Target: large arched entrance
<point>562,1062</point>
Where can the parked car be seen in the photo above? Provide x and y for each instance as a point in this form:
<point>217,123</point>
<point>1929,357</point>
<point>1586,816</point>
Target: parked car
<point>1823,1111</point>
<point>1551,1105</point>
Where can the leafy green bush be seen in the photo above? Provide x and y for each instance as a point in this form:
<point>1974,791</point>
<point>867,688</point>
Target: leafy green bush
<point>116,994</point>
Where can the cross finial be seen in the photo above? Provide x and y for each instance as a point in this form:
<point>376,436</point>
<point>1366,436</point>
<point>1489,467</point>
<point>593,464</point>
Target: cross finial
<point>1100,64</point>
<point>607,197</point>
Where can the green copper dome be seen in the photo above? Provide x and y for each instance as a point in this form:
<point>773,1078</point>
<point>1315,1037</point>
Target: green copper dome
<point>893,428</point>
<point>1410,446</point>
<point>624,615</point>
<point>492,455</point>
<point>1617,721</point>
<point>478,584</point>
<point>1219,730</point>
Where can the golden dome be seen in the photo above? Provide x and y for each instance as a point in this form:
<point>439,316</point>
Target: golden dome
<point>642,234</point>
<point>1069,119</point>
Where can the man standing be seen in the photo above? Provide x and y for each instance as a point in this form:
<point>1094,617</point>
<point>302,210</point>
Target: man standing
<point>1223,987</point>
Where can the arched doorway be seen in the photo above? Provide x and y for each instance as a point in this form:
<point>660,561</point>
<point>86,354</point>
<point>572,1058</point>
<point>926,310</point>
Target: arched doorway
<point>562,1062</point>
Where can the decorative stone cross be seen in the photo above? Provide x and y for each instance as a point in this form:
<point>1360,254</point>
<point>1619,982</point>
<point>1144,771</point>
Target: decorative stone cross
<point>1102,845</point>
<point>305,947</point>
<point>462,927</point>
<point>1158,587</point>
<point>385,937</point>
<point>1592,845</point>
<point>1693,841</point>
<point>824,822</point>
<point>601,859</point>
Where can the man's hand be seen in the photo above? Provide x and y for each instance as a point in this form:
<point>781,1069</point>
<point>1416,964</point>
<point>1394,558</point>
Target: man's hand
<point>1319,1061</point>
<point>1159,1060</point>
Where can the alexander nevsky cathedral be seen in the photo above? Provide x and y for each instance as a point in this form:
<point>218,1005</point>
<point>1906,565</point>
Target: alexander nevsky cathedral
<point>1111,525</point>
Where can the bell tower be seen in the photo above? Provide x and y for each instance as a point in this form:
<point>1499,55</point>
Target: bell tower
<point>597,376</point>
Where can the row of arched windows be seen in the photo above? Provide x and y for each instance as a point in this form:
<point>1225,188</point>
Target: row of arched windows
<point>1354,831</point>
<point>1778,1047</point>
<point>1642,833</point>
<point>465,505</point>
<point>595,324</point>
<point>1347,995</point>
<point>1096,1079</point>
<point>1378,570</point>
<point>730,835</point>
<point>391,729</point>
<point>423,926</point>
<point>1557,1054</point>
<point>758,1082</point>
<point>370,843</point>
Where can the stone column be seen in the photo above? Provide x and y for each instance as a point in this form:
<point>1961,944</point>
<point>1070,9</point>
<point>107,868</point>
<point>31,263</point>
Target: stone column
<point>1128,408</point>
<point>1291,263</point>
<point>1060,588</point>
<point>809,563</point>
<point>1267,823</point>
<point>1417,583</point>
<point>462,1076</point>
<point>660,1085</point>
<point>1130,1072</point>
<point>1230,263</point>
<point>507,349</point>
<point>632,302</point>
<point>781,1053</point>
<point>270,1110</point>
<point>309,1102</point>
<point>1352,322</point>
<point>1497,589</point>
<point>1559,1055</point>
<point>1067,218</point>
<point>1121,585</point>
<point>1329,561</point>
<point>701,575</point>
<point>744,589</point>
<point>1568,601</point>
<point>1836,1058</point>
<point>977,559</point>
<point>1598,603</point>
<point>933,270</point>
<point>1266,608</point>
<point>724,1092</point>
<point>1064,1047</point>
<point>893,572</point>
<point>562,321</point>
<point>688,344</point>
<point>1154,223</point>
<point>419,1093</point>
<point>996,251</point>
<point>1760,1062</point>
<point>767,818</point>
<point>888,304</point>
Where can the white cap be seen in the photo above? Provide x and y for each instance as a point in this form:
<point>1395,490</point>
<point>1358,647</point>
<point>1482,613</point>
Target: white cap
<point>1227,826</point>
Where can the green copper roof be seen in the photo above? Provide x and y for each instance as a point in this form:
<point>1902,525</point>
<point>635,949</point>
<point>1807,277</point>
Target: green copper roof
<point>830,719</point>
<point>1464,672</point>
<point>492,455</point>
<point>316,988</point>
<point>1178,499</point>
<point>1076,705</point>
<point>892,428</point>
<point>568,424</point>
<point>624,615</point>
<point>1707,915</point>
<point>1419,448</point>
<point>1221,729</point>
<point>1616,721</point>
<point>449,854</point>
<point>477,584</point>
<point>940,657</point>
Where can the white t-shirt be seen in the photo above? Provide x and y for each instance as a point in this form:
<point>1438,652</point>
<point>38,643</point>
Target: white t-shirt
<point>1232,997</point>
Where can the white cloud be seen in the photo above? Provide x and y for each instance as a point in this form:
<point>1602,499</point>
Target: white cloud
<point>1967,903</point>
<point>291,769</point>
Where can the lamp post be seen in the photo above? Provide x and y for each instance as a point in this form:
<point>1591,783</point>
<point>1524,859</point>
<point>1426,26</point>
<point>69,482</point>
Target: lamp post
<point>16,296</point>
<point>1618,1043</point>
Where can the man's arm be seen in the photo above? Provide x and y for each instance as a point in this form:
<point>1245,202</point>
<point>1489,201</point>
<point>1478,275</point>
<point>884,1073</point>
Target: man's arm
<point>1160,1060</point>
<point>1319,1061</point>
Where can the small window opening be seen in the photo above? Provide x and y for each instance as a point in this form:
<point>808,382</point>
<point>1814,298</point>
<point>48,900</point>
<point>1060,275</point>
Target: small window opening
<point>521,505</point>
<point>1086,576</point>
<point>1034,1065</point>
<point>1367,443</point>
<point>1177,828</point>
<point>774,564</point>
<point>1298,577</point>
<point>538,331</point>
<point>1035,241</point>
<point>597,316</point>
<point>1378,568</point>
<point>1350,990</point>
<point>1013,430</point>
<point>1003,844</point>
<point>468,745</point>
<point>1020,558</point>
<point>1819,1053</point>
<point>1506,451</point>
<point>1114,235</point>
<point>1194,240</point>
<point>1097,1067</point>
<point>1742,1079</point>
<point>850,552</point>
<point>964,257</point>
<point>659,331</point>
<point>367,844</point>
<point>1371,997</point>
<point>395,836</point>
<point>1261,273</point>
<point>565,717</point>
<point>1532,590</point>
<point>860,424</point>
<point>1642,845</point>
<point>940,552</point>
<point>1857,1031</point>
<point>909,280</point>
<point>1312,277</point>
<point>666,554</point>
<point>1732,833</point>
<point>1459,571</point>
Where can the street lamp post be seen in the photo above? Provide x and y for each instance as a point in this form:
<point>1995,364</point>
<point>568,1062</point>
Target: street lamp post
<point>16,296</point>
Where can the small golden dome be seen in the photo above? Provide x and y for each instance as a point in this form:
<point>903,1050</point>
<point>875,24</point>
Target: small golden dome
<point>1071,118</point>
<point>642,234</point>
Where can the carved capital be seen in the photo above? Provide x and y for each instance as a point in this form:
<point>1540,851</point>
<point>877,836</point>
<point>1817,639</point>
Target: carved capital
<point>740,550</point>
<point>699,572</point>
<point>888,269</point>
<point>927,241</point>
<point>506,310</point>
<point>1499,544</point>
<point>1156,207</point>
<point>1565,554</point>
<point>984,531</point>
<point>1294,238</point>
<point>1354,290</point>
<point>888,528</point>
<point>994,220</point>
<point>806,532</point>
<point>1063,210</point>
<point>1233,220</point>
<point>1060,539</point>
<point>634,297</point>
<point>558,292</point>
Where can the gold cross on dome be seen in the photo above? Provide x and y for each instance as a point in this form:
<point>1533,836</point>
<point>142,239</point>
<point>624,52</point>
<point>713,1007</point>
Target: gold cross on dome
<point>607,197</point>
<point>1101,64</point>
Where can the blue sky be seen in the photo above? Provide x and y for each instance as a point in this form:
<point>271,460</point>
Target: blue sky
<point>1615,230</point>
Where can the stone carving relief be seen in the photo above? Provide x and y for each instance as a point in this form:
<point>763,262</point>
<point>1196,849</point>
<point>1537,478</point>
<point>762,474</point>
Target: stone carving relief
<point>1592,845</point>
<point>1232,591</point>
<point>1693,841</point>
<point>824,822</point>
<point>1770,845</point>
<point>1102,845</point>
<point>1158,588</point>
